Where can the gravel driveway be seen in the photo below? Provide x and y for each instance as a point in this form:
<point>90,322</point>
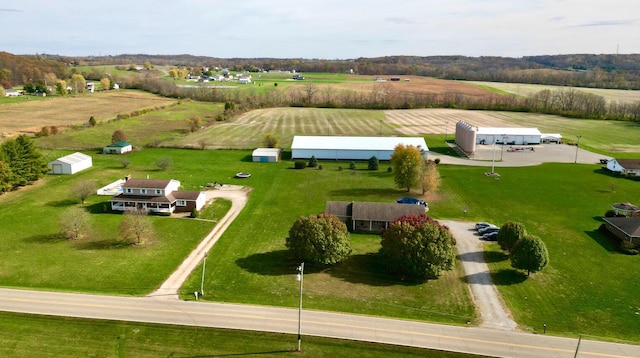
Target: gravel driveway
<point>493,312</point>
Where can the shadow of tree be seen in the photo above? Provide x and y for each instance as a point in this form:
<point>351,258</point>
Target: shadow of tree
<point>101,245</point>
<point>46,238</point>
<point>367,269</point>
<point>273,263</point>
<point>506,277</point>
<point>353,192</point>
<point>495,256</point>
<point>99,208</point>
<point>63,203</point>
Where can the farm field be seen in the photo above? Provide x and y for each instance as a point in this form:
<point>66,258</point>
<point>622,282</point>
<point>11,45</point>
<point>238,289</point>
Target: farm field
<point>147,129</point>
<point>525,89</point>
<point>29,116</point>
<point>607,137</point>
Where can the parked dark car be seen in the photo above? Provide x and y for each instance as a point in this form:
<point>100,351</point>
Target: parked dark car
<point>481,224</point>
<point>492,236</point>
<point>410,200</point>
<point>488,229</point>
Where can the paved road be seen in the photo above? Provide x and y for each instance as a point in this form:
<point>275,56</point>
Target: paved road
<point>477,340</point>
<point>487,299</point>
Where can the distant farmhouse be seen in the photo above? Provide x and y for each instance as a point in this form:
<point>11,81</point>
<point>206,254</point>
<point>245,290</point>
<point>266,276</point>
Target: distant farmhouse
<point>156,196</point>
<point>70,164</point>
<point>351,148</point>
<point>370,217</point>
<point>10,92</point>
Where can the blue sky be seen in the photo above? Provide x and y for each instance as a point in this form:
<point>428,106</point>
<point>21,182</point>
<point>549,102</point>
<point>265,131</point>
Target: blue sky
<point>327,29</point>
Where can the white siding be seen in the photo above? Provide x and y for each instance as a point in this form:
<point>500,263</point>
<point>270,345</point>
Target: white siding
<point>351,148</point>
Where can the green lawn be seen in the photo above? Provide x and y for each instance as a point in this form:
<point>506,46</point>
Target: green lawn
<point>588,288</point>
<point>43,336</point>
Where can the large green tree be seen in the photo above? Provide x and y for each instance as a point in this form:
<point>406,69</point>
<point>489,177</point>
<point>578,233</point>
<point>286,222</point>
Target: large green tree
<point>510,232</point>
<point>24,160</point>
<point>406,161</point>
<point>321,239</point>
<point>418,247</point>
<point>529,254</point>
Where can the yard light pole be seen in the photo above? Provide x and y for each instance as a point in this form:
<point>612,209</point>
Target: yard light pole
<point>446,130</point>
<point>300,278</point>
<point>577,146</point>
<point>204,266</point>
<point>493,162</point>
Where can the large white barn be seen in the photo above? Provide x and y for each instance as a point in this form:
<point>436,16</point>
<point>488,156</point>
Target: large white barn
<point>351,148</point>
<point>70,164</point>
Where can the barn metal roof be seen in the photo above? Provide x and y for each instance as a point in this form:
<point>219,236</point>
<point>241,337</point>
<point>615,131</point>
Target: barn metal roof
<point>74,158</point>
<point>355,143</point>
<point>508,131</point>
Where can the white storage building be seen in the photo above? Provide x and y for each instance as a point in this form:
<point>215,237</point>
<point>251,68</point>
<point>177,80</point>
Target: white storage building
<point>514,136</point>
<point>266,155</point>
<point>70,164</point>
<point>351,148</point>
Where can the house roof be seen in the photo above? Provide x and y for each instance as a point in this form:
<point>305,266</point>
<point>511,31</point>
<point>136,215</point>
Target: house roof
<point>629,163</point>
<point>629,226</point>
<point>147,183</point>
<point>186,195</point>
<point>355,143</point>
<point>372,211</point>
<point>121,144</point>
<point>76,157</point>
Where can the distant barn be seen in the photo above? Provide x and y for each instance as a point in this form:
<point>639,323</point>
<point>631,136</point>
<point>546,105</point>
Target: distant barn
<point>351,148</point>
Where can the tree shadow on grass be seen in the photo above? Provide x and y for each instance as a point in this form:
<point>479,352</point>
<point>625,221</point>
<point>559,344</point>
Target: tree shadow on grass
<point>46,238</point>
<point>352,192</point>
<point>495,256</point>
<point>367,269</point>
<point>274,263</point>
<point>101,245</point>
<point>506,277</point>
<point>99,208</point>
<point>63,203</point>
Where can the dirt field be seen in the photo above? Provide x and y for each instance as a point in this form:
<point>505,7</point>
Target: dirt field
<point>524,89</point>
<point>31,116</point>
<point>439,121</point>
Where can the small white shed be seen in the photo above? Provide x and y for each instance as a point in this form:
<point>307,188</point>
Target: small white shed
<point>70,164</point>
<point>118,148</point>
<point>266,155</point>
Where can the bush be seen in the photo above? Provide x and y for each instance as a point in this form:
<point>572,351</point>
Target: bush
<point>418,247</point>
<point>437,160</point>
<point>352,165</point>
<point>300,164</point>
<point>321,239</point>
<point>389,170</point>
<point>340,168</point>
<point>194,213</point>
<point>319,167</point>
<point>373,163</point>
<point>313,162</point>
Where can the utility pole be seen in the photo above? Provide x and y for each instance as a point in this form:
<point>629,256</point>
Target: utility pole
<point>300,278</point>
<point>577,146</point>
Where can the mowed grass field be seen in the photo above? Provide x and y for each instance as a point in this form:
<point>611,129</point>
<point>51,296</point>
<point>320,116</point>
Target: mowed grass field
<point>525,89</point>
<point>29,116</point>
<point>43,336</point>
